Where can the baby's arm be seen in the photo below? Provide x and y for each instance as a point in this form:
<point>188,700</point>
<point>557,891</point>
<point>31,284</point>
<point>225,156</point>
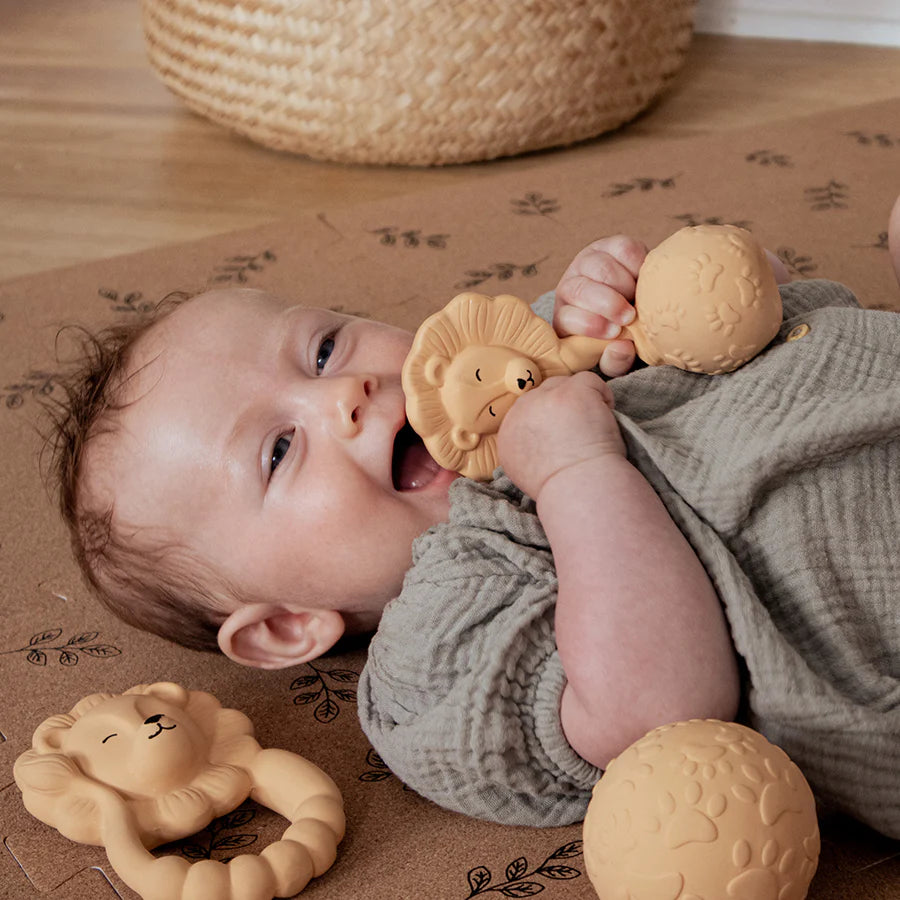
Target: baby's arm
<point>640,631</point>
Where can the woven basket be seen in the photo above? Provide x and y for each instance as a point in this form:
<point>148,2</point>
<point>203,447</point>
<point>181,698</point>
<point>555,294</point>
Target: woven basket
<point>417,82</point>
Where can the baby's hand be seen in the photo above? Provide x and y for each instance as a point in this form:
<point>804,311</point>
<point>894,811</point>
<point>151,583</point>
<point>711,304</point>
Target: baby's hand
<point>565,421</point>
<point>595,297</point>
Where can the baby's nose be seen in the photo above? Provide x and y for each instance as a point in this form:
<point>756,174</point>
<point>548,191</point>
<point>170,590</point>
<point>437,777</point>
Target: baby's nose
<point>353,395</point>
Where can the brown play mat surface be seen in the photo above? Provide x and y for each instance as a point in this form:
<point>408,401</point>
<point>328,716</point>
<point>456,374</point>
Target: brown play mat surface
<point>817,191</point>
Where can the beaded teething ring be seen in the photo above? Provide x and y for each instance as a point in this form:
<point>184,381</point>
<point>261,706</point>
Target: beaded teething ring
<point>135,770</point>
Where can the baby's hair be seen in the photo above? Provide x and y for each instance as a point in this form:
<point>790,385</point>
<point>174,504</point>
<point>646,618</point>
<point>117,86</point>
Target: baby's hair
<point>152,585</point>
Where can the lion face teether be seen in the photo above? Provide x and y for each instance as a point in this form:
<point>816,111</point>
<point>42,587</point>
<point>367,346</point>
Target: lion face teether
<point>112,743</point>
<point>468,364</point>
<point>706,301</point>
<point>135,770</point>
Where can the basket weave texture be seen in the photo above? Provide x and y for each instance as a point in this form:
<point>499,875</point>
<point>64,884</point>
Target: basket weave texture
<point>417,82</point>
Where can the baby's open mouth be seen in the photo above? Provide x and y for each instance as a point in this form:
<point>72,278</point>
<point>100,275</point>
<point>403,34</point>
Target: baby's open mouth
<point>412,466</point>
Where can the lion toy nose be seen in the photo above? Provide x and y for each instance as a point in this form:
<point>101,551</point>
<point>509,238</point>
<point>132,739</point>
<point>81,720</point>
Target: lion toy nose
<point>520,377</point>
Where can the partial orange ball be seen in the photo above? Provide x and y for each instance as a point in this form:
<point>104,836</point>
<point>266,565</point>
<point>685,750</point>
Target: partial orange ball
<point>702,810</point>
<point>707,301</point>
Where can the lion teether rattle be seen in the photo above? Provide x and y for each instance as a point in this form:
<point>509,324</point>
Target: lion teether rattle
<point>135,770</point>
<point>706,301</point>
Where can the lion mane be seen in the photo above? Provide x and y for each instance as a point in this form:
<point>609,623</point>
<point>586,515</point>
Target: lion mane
<point>57,786</point>
<point>470,319</point>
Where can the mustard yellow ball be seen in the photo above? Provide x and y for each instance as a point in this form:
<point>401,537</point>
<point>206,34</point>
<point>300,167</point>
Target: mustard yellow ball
<point>702,810</point>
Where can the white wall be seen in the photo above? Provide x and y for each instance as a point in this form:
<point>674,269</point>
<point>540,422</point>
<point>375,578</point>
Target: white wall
<point>850,21</point>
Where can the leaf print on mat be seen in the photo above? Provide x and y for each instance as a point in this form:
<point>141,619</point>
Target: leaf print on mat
<point>519,881</point>
<point>322,687</point>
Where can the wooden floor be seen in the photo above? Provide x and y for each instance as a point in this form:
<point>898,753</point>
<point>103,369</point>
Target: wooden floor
<point>97,158</point>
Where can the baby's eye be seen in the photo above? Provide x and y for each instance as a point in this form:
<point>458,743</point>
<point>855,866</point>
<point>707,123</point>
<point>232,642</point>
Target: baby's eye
<point>326,348</point>
<point>279,451</point>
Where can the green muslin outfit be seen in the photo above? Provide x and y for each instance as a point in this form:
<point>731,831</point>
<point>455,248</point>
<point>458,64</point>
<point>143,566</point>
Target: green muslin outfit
<point>785,478</point>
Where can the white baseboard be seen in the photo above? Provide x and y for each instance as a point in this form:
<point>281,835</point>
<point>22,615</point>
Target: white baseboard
<point>846,21</point>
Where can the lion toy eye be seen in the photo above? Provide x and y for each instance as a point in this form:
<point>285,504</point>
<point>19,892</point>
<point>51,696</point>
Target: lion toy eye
<point>88,780</point>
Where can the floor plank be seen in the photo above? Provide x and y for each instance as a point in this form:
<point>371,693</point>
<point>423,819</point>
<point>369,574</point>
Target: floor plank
<point>97,158</point>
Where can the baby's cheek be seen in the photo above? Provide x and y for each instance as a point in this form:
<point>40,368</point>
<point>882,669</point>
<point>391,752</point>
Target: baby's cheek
<point>894,237</point>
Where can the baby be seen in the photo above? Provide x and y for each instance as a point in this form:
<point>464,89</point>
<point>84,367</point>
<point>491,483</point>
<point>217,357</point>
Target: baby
<point>239,474</point>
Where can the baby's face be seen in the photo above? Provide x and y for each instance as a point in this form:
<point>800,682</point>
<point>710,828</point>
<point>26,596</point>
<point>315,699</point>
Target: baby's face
<point>894,237</point>
<point>271,442</point>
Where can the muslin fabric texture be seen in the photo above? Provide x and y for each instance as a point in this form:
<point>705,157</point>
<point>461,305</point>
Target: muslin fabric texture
<point>783,475</point>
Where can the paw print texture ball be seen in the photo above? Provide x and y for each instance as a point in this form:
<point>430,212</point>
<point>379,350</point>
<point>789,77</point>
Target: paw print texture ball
<point>701,810</point>
<point>706,300</point>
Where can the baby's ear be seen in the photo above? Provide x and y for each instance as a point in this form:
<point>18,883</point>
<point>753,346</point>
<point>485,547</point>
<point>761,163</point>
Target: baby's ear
<point>272,637</point>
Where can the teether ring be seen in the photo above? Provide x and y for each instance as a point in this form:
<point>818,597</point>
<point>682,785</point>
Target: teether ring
<point>702,809</point>
<point>156,763</point>
<point>706,301</point>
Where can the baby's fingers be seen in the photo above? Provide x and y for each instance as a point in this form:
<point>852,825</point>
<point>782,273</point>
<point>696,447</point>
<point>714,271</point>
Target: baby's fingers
<point>617,359</point>
<point>587,307</point>
<point>594,295</point>
<point>614,260</point>
<point>591,381</point>
<point>572,384</point>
